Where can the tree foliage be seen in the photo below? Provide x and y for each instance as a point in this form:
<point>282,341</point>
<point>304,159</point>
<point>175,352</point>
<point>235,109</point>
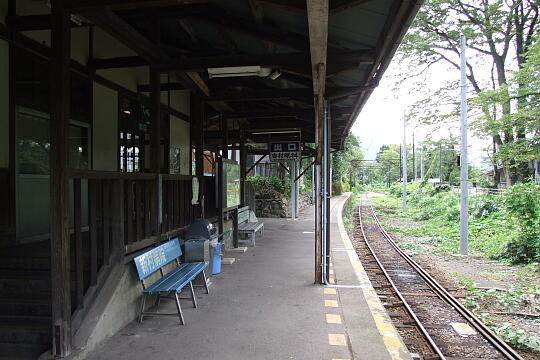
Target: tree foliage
<point>499,35</point>
<point>344,161</point>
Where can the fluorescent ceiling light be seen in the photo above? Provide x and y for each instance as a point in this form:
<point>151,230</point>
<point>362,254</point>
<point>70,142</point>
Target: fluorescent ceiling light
<point>235,71</point>
<point>274,75</point>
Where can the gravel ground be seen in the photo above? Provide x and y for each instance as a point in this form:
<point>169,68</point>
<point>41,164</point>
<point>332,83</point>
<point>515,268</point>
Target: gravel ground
<point>489,274</point>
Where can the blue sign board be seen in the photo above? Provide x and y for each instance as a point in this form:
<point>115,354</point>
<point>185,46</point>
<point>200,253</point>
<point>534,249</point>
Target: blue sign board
<point>283,151</point>
<point>160,256</point>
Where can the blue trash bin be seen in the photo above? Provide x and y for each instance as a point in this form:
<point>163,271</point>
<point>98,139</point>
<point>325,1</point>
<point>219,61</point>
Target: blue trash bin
<point>216,261</point>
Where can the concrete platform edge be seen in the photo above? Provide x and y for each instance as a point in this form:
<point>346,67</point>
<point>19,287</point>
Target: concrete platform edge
<point>364,339</point>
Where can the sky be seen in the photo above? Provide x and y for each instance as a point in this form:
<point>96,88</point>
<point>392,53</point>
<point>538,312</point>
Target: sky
<point>381,120</point>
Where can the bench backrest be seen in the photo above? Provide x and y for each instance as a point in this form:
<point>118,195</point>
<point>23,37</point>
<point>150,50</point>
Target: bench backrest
<point>243,214</point>
<point>152,260</point>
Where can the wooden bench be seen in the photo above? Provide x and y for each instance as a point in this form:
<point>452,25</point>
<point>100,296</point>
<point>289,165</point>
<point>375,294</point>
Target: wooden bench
<point>245,226</point>
<point>171,283</point>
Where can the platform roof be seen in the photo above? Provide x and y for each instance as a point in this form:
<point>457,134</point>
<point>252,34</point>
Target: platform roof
<point>185,38</point>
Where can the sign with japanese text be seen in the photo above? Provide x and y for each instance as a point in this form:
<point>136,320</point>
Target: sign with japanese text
<point>283,151</point>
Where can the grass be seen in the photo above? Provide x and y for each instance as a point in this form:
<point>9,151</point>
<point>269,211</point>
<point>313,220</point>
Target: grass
<point>436,224</point>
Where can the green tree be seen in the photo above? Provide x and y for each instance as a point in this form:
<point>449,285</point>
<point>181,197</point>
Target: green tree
<point>493,28</point>
<point>343,162</point>
<point>523,89</point>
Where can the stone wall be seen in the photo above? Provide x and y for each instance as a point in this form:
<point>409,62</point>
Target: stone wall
<point>280,208</point>
<point>305,200</point>
<point>272,208</point>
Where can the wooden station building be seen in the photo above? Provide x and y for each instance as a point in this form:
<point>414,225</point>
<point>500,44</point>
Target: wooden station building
<point>103,104</point>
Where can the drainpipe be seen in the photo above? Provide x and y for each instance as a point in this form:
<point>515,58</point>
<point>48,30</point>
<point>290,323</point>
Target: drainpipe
<point>327,191</point>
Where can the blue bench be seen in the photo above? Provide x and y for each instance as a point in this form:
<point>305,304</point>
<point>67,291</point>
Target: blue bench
<point>171,283</point>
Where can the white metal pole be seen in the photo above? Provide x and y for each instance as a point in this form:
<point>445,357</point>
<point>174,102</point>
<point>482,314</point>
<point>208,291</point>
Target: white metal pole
<point>414,161</point>
<point>464,218</point>
<point>422,162</point>
<point>404,196</point>
<point>292,174</point>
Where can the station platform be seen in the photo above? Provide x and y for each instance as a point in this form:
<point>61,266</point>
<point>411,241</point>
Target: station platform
<point>266,306</point>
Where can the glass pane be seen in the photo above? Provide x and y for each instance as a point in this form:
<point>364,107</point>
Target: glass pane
<point>78,147</point>
<point>33,143</point>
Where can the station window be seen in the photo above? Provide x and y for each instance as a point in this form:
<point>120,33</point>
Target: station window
<point>33,117</point>
<point>134,137</point>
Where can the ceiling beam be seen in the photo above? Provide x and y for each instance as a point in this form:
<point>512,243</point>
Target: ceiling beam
<point>341,5</point>
<point>342,92</point>
<point>298,6</point>
<point>271,113</point>
<point>91,5</point>
<point>129,36</point>
<point>295,59</point>
<point>36,22</point>
<point>303,94</point>
<point>318,41</point>
<point>117,62</point>
<point>163,87</point>
<point>295,6</point>
<point>251,28</point>
<point>260,95</point>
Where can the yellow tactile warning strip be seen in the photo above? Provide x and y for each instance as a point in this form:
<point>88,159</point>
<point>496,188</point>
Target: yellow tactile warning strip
<point>337,339</point>
<point>331,303</point>
<point>329,291</point>
<point>337,334</point>
<point>333,319</point>
<point>389,334</point>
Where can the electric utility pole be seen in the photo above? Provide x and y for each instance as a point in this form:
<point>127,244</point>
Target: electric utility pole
<point>440,162</point>
<point>464,218</point>
<point>404,163</point>
<point>422,162</point>
<point>413,158</point>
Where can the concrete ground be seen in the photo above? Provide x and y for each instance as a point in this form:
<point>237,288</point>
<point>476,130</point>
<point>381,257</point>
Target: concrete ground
<point>263,306</point>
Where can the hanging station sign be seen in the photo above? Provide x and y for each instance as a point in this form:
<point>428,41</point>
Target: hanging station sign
<point>283,151</point>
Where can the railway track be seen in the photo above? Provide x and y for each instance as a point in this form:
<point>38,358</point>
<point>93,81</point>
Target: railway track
<point>433,323</point>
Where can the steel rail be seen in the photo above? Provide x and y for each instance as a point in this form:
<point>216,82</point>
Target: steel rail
<point>492,338</point>
<point>423,330</point>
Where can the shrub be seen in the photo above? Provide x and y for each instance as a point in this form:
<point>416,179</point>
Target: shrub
<point>522,203</point>
<point>337,188</point>
<point>483,205</point>
<point>269,187</point>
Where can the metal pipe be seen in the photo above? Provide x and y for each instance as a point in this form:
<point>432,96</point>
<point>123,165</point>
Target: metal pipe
<point>324,266</point>
<point>327,191</point>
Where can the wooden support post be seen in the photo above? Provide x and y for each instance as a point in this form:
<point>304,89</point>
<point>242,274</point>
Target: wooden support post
<point>79,259</point>
<point>59,193</point>
<point>155,149</point>
<point>197,107</point>
<point>225,145</point>
<point>318,194</point>
<point>12,13</point>
<point>235,227</point>
<point>317,13</point>
<point>117,220</point>
<point>243,170</point>
<point>220,196</point>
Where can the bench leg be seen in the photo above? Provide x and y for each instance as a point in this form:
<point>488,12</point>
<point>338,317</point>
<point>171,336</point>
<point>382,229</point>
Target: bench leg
<point>143,303</point>
<point>192,294</point>
<point>179,308</point>
<point>253,238</point>
<point>205,282</point>
<point>158,301</point>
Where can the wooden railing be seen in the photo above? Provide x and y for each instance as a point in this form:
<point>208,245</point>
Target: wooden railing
<point>5,200</point>
<point>115,214</point>
<point>177,208</point>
